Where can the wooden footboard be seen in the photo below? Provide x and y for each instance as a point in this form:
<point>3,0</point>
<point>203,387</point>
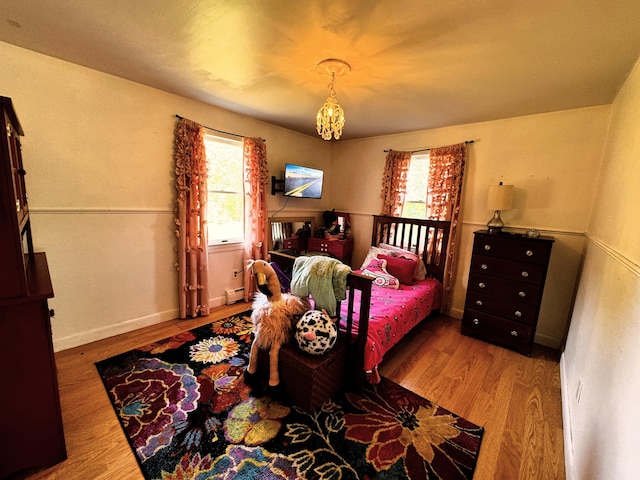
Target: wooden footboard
<point>355,376</point>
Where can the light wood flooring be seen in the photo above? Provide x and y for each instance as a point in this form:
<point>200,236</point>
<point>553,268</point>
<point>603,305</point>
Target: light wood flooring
<point>516,398</point>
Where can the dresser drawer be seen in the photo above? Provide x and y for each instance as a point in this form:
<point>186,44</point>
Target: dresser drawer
<point>516,311</point>
<point>515,291</point>
<point>508,269</point>
<point>498,330</point>
<point>513,247</point>
<point>340,249</point>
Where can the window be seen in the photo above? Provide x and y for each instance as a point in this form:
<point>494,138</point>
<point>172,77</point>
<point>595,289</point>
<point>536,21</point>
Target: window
<point>415,200</point>
<point>225,190</point>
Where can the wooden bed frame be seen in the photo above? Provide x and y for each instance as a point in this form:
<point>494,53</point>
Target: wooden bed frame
<point>429,239</point>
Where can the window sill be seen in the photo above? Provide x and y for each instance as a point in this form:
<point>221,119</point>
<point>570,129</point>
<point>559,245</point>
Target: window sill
<point>225,247</point>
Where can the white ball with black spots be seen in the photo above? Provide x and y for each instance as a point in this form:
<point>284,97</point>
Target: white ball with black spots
<point>316,333</point>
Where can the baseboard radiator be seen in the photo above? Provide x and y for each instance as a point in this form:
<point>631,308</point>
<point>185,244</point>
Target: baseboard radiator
<point>234,295</point>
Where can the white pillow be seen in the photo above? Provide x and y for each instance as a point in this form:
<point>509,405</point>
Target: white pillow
<point>373,253</point>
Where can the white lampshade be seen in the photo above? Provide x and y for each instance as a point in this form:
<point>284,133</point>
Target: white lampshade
<point>500,197</point>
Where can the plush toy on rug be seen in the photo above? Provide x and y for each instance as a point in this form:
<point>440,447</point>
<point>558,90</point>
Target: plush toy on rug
<point>273,316</point>
<point>315,332</point>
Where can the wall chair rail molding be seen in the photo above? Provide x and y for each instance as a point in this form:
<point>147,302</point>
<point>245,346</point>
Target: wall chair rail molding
<point>102,211</point>
<point>622,259</point>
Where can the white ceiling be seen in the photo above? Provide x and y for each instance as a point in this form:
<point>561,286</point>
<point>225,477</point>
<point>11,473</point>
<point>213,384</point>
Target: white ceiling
<point>416,64</point>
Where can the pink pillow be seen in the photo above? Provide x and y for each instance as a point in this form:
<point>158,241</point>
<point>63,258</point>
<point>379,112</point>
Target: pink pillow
<point>403,269</point>
<point>377,269</point>
<point>421,270</point>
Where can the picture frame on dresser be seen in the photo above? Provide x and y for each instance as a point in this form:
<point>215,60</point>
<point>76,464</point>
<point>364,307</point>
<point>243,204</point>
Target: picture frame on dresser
<point>504,292</point>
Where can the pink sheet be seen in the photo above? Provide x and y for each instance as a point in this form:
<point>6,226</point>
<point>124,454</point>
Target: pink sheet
<point>393,313</point>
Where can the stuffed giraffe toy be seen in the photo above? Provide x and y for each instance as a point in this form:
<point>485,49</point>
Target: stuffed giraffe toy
<point>274,317</point>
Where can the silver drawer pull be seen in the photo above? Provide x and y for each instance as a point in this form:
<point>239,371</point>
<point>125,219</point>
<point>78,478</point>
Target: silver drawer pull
<point>518,313</point>
<point>522,294</point>
<point>487,247</point>
<point>484,266</point>
<point>525,274</point>
<point>476,321</point>
<point>529,253</point>
<point>514,333</point>
<point>479,303</point>
<point>481,285</point>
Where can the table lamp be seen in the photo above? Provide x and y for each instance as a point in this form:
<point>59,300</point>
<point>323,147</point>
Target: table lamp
<point>500,198</point>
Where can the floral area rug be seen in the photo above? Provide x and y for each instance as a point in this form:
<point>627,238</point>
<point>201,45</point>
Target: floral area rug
<point>188,414</point>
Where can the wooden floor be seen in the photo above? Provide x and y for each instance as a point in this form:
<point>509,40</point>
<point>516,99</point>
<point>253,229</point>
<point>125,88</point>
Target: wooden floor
<point>516,399</point>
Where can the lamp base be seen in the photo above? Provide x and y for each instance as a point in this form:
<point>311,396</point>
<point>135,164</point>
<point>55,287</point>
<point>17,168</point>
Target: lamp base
<point>495,225</point>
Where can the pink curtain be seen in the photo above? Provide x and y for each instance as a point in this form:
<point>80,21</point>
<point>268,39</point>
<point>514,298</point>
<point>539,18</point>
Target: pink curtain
<point>394,182</point>
<point>191,184</point>
<point>256,177</point>
<point>443,201</point>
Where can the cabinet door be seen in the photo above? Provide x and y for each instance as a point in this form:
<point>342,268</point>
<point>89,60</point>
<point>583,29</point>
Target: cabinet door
<point>32,435</point>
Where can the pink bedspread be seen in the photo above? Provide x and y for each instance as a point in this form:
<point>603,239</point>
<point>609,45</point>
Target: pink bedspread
<point>393,313</point>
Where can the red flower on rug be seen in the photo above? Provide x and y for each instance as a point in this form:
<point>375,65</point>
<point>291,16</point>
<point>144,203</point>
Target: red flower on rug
<point>399,425</point>
<point>168,343</point>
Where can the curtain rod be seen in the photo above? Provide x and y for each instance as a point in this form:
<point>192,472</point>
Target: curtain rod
<point>425,149</point>
<point>219,131</point>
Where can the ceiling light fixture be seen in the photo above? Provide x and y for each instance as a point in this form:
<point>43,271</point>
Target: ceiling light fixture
<point>330,118</point>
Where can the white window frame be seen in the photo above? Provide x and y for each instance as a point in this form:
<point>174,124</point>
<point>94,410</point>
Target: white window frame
<point>231,243</point>
<point>421,181</point>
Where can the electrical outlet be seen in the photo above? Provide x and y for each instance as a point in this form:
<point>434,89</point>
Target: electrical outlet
<point>237,272</point>
<point>579,391</point>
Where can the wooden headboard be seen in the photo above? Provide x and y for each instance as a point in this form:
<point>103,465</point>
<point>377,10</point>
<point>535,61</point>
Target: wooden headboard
<point>428,239</point>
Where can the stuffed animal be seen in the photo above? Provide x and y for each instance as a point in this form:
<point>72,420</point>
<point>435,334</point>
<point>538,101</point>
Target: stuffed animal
<point>273,321</point>
<point>315,332</point>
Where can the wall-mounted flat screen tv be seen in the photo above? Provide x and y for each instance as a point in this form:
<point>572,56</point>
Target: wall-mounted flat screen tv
<point>302,182</point>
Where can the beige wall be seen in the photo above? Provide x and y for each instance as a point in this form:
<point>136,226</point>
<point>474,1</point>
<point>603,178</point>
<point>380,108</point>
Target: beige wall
<point>551,159</point>
<point>98,152</point>
<point>603,346</point>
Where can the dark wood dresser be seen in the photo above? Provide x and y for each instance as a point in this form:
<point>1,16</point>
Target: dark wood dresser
<point>504,292</point>
<point>31,435</point>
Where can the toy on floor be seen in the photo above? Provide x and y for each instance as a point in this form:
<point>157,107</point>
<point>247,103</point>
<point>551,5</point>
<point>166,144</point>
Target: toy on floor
<point>315,332</point>
<point>273,316</point>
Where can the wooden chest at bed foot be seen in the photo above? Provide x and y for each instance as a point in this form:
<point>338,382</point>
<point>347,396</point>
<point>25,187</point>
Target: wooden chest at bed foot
<point>310,380</point>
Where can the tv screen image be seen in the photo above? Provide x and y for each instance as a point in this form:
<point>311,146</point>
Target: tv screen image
<point>302,182</point>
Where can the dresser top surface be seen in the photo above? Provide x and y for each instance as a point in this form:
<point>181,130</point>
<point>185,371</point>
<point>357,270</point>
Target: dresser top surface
<point>513,235</point>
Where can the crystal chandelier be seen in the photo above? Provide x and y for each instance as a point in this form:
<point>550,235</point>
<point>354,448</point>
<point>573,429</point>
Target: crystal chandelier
<point>330,118</point>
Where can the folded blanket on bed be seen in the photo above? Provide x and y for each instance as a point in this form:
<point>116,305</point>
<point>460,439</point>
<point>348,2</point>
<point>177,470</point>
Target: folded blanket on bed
<point>324,278</point>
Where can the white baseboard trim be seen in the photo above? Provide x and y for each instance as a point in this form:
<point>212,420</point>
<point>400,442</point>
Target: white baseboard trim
<point>96,334</point>
<point>71,341</point>
<point>569,462</point>
<point>217,301</point>
<point>547,341</point>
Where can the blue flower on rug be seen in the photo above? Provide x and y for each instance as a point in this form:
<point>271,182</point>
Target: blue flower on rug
<point>153,399</point>
<point>214,350</point>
